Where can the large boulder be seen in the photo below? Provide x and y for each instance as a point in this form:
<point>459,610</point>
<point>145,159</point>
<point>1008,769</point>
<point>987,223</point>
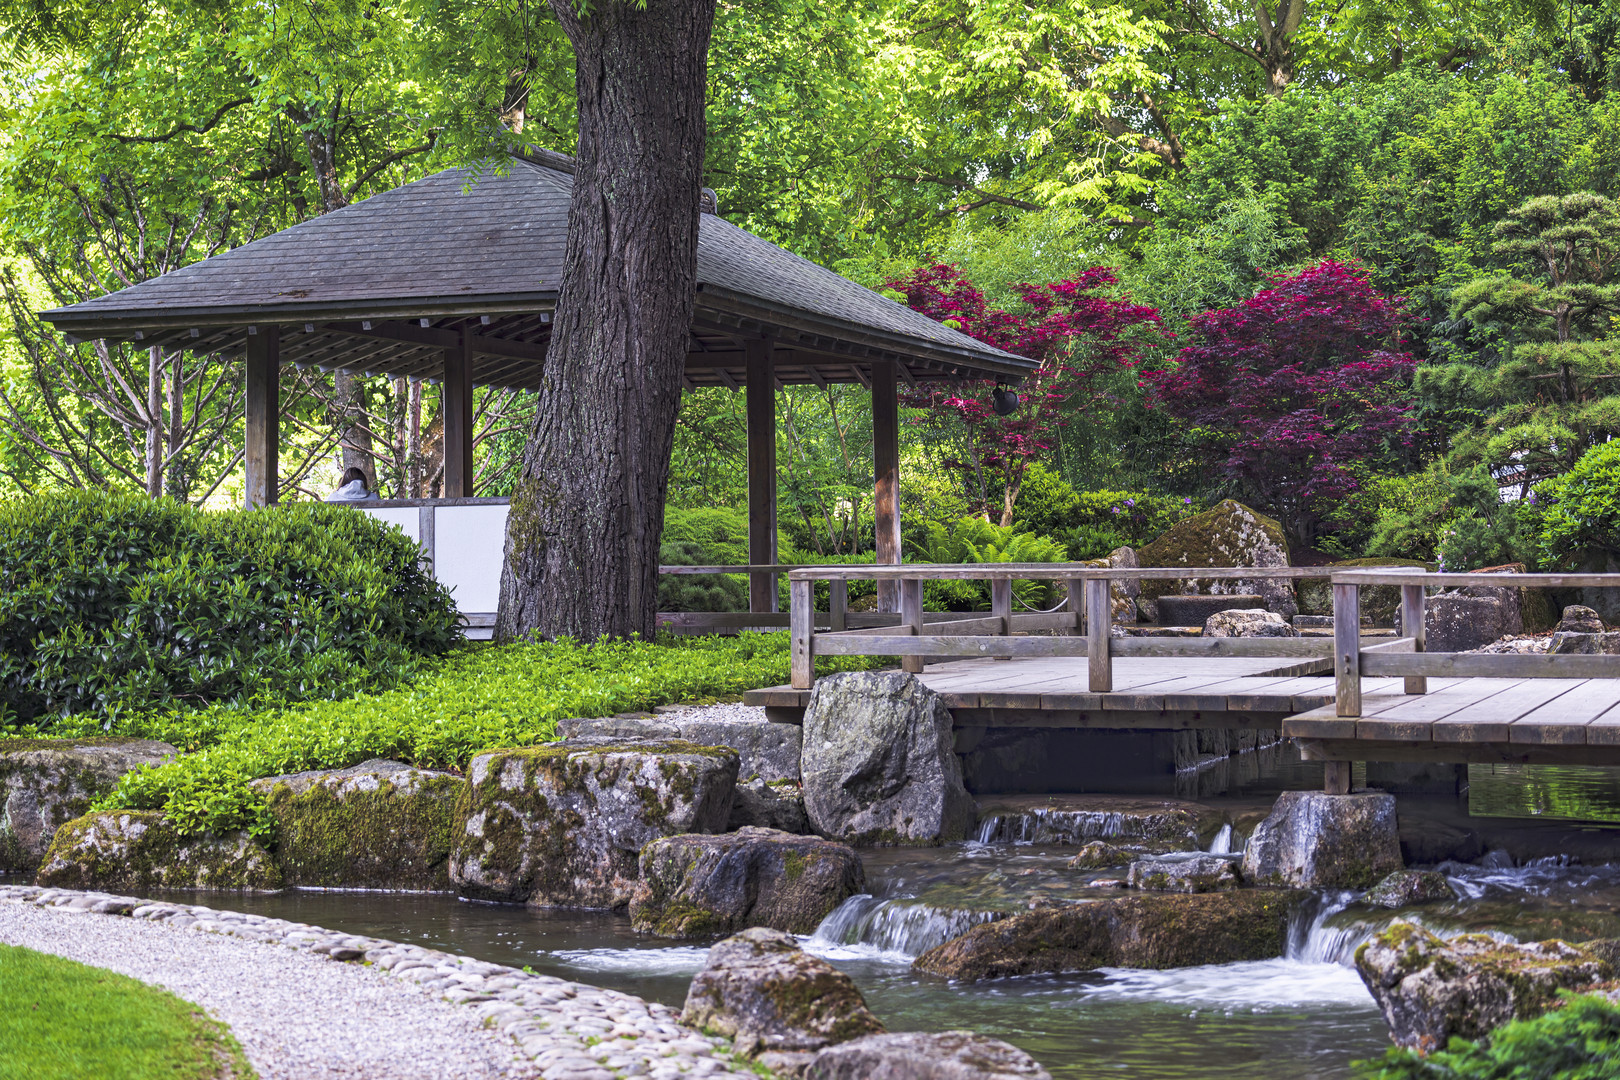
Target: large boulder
<point>701,886</point>
<point>45,783</point>
<point>1432,990</point>
<point>564,824</point>
<point>1453,622</point>
<point>1122,592</point>
<point>1230,534</point>
<point>917,1055</point>
<point>1566,642</point>
<point>879,763</point>
<point>1199,874</point>
<point>767,750</point>
<point>769,805</point>
<point>774,1000</point>
<point>377,825</point>
<point>1316,841</point>
<point>132,850</point>
<point>1130,931</point>
<point>1248,622</point>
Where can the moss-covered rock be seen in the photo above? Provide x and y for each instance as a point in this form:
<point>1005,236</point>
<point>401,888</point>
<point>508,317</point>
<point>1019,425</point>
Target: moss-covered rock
<point>377,825</point>
<point>131,850</point>
<point>564,824</point>
<point>1229,534</point>
<point>45,783</point>
<point>1199,874</point>
<point>1432,990</point>
<point>762,991</point>
<point>1130,931</point>
<point>701,886</point>
<point>1312,840</point>
<point>1406,887</point>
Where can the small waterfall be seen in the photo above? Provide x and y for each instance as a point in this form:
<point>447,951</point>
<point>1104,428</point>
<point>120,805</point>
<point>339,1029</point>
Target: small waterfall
<point>1042,826</point>
<point>905,927</point>
<point>1312,941</point>
<point>1222,844</point>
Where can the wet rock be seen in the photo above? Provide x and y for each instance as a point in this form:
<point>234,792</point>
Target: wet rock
<point>1580,619</point>
<point>1407,887</point>
<point>1247,622</point>
<point>1122,820</point>
<point>778,805</point>
<point>564,824</point>
<point>1316,841</point>
<point>916,1055</point>
<point>701,886</point>
<point>377,825</point>
<point>139,849</point>
<point>44,783</point>
<point>1230,534</point>
<point>1200,874</point>
<point>767,750</point>
<point>1099,855</point>
<point>767,995</point>
<point>879,765</point>
<point>1432,990</point>
<point>1128,931</point>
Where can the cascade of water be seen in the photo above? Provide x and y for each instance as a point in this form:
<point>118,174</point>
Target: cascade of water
<point>1222,844</point>
<point>1041,826</point>
<point>904,927</point>
<point>1312,941</point>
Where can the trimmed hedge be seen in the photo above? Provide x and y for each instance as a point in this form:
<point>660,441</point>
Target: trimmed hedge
<point>112,602</point>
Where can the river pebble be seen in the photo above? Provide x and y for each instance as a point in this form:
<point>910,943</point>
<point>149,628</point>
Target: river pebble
<point>312,1003</point>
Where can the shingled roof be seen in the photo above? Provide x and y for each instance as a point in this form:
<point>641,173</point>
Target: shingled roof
<point>385,284</point>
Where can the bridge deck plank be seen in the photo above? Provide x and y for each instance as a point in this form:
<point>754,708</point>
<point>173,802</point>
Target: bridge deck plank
<point>1491,720</point>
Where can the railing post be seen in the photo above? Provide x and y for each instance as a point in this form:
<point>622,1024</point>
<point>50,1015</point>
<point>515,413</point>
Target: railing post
<point>1076,605</point>
<point>1099,619</point>
<point>801,633</point>
<point>1413,607</point>
<point>1347,648</point>
<point>911,615</point>
<point>837,604</point>
<point>1001,606</point>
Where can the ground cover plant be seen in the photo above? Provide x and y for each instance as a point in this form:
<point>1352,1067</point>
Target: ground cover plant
<point>1580,1041</point>
<point>66,1021</point>
<point>475,699</point>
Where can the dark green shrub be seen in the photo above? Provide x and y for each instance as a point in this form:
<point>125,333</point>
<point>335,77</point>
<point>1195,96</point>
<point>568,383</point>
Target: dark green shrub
<point>1580,511</point>
<point>1580,1041</point>
<point>710,592</point>
<point>113,602</point>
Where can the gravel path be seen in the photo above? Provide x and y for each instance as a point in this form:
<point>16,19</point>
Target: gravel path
<point>407,1013</point>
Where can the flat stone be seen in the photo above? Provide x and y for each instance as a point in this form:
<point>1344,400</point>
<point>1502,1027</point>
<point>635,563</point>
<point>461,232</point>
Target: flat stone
<point>767,750</point>
<point>139,849</point>
<point>918,1055</point>
<point>1247,622</point>
<point>45,783</point>
<point>1199,874</point>
<point>699,886</point>
<point>1316,841</point>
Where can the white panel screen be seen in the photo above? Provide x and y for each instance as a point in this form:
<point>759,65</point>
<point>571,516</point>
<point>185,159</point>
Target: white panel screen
<point>469,544</point>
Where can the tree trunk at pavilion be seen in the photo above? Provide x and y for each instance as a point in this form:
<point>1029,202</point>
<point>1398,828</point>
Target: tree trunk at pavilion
<point>582,534</point>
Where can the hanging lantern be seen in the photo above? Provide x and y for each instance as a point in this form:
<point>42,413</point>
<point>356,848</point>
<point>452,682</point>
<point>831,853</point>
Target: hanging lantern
<point>1003,400</point>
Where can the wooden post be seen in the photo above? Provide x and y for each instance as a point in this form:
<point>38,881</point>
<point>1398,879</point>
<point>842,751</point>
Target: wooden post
<point>1336,777</point>
<point>261,456</point>
<point>801,634</point>
<point>911,615</point>
<point>886,475</point>
<point>837,604</point>
<point>1412,615</point>
<point>458,420</point>
<point>1077,605</point>
<point>1099,620</point>
<point>1347,649</point>
<point>1001,606</point>
<point>761,412</point>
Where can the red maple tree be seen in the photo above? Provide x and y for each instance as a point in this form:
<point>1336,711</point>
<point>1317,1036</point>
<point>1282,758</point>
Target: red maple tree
<point>1077,334</point>
<point>1291,387</point>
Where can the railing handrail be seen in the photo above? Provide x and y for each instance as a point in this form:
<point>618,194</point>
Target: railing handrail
<point>1049,571</point>
<point>743,568</point>
<point>1394,576</point>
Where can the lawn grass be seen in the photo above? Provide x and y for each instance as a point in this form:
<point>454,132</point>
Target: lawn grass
<point>66,1021</point>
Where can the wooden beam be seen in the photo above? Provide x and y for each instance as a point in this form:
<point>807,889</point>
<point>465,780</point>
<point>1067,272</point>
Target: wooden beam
<point>261,457</point>
<point>886,475</point>
<point>458,419</point>
<point>761,418</point>
<point>446,339</point>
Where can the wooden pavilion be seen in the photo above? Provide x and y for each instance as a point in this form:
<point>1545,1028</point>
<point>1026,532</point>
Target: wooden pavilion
<point>454,277</point>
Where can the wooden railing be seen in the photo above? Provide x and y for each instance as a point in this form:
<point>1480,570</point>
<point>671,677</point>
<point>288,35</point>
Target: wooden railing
<point>1083,627</point>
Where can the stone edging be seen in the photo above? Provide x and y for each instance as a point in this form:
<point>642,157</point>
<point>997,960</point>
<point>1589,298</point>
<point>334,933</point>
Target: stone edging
<point>572,1031</point>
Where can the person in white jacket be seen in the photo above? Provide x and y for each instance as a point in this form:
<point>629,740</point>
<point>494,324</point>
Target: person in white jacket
<point>352,488</point>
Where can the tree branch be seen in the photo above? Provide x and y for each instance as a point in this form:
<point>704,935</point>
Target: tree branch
<point>193,128</point>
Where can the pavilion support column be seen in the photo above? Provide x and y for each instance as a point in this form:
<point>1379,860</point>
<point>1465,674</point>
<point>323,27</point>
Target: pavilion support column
<point>761,411</point>
<point>458,420</point>
<point>886,476</point>
<point>262,454</point>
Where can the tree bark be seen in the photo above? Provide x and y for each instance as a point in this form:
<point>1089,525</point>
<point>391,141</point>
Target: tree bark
<point>583,529</point>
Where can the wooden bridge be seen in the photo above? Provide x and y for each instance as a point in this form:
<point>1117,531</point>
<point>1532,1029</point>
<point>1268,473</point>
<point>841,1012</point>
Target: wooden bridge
<point>1346,698</point>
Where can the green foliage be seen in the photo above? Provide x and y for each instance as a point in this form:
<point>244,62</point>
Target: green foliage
<point>975,540</point>
<point>1581,510</point>
<point>1579,1041</point>
<point>1409,513</point>
<point>709,592</point>
<point>112,602</point>
<point>472,700</point>
<point>67,1021</point>
<point>1482,530</point>
<point>1090,524</point>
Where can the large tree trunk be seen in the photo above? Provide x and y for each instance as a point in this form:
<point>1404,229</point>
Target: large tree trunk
<point>582,535</point>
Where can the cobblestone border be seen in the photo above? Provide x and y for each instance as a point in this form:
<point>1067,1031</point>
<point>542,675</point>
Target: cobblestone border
<point>572,1031</point>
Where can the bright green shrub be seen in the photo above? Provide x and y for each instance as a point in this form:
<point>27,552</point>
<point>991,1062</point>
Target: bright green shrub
<point>472,700</point>
<point>974,540</point>
<point>1090,524</point>
<point>709,592</point>
<point>721,532</point>
<point>1580,1041</point>
<point>1046,503</point>
<point>113,602</point>
<point>1411,513</point>
<point>1580,511</point>
<point>1482,529</point>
